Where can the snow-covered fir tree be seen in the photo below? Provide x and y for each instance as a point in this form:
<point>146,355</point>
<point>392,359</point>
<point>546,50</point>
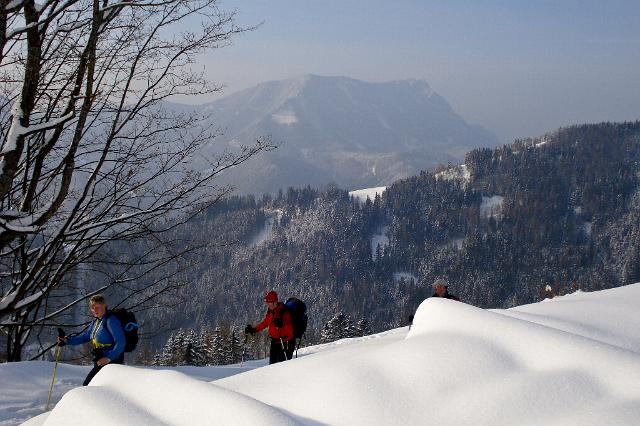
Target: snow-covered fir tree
<point>362,328</point>
<point>194,351</point>
<point>173,351</point>
<point>218,355</point>
<point>206,337</point>
<point>339,327</point>
<point>235,347</point>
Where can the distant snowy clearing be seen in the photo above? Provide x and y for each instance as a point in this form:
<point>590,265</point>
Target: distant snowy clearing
<point>370,193</point>
<point>460,173</point>
<point>407,276</point>
<point>491,206</point>
<point>574,360</point>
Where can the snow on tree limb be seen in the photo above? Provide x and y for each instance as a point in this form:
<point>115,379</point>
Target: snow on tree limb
<point>88,158</point>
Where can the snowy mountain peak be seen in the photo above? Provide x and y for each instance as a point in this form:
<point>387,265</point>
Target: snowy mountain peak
<point>418,85</point>
<point>342,130</point>
<point>282,91</point>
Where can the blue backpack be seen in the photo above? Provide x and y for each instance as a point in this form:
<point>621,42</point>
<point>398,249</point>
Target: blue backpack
<point>298,311</point>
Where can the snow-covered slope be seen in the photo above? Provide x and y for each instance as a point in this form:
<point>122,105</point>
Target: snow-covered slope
<point>137,397</point>
<point>574,360</point>
<point>464,365</point>
<point>370,193</point>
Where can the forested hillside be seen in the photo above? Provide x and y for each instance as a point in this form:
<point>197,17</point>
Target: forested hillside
<point>511,226</point>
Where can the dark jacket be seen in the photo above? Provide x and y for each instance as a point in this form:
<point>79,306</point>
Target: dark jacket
<point>447,296</point>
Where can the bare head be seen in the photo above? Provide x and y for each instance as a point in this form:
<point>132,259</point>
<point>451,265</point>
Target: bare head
<point>440,287</point>
<point>98,305</point>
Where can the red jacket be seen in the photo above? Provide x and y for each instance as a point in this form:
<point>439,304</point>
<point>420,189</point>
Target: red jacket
<point>286,331</point>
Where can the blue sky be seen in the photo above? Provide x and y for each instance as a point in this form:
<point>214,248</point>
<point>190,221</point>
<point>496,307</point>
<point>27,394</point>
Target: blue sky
<point>519,68</point>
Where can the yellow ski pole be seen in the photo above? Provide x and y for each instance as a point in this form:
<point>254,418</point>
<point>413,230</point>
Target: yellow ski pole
<point>55,367</point>
<point>61,334</point>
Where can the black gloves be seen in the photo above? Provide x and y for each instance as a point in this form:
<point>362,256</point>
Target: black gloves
<point>278,322</point>
<point>61,337</point>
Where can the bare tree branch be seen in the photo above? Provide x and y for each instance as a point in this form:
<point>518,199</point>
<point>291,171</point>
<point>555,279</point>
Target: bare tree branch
<point>90,160</point>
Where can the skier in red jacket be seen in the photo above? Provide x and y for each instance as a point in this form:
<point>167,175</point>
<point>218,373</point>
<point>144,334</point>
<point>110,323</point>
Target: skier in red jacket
<point>278,320</point>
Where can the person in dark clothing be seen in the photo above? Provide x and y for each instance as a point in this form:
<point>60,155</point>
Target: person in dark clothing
<point>105,334</point>
<point>441,289</point>
<point>280,326</point>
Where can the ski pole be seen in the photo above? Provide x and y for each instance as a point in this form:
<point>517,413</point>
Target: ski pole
<point>55,367</point>
<point>61,333</point>
<point>284,350</point>
<point>298,344</point>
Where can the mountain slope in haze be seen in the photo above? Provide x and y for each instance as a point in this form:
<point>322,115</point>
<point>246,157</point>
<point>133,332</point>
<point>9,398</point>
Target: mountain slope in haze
<point>340,130</point>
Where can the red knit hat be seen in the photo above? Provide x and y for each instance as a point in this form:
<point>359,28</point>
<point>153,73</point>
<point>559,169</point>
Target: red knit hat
<point>271,296</point>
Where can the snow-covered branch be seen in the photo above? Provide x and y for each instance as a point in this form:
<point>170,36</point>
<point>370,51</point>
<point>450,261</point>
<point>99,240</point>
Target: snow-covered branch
<point>87,160</point>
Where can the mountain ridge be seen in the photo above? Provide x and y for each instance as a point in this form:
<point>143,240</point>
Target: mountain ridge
<point>340,130</point>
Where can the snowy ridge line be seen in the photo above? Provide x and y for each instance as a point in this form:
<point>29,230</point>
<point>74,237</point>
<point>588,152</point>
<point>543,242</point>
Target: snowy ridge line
<point>533,346</point>
<point>362,194</point>
<point>544,321</point>
<point>613,304</point>
<point>540,321</point>
<point>111,403</point>
<point>128,395</point>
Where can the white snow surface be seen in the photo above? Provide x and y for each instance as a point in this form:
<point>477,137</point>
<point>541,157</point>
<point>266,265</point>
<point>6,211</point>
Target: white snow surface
<point>573,360</point>
<point>491,206</point>
<point>363,194</point>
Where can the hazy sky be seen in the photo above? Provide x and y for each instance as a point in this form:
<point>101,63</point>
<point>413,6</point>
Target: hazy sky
<point>519,68</point>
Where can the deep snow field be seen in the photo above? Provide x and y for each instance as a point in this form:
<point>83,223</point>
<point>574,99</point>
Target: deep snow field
<point>573,360</point>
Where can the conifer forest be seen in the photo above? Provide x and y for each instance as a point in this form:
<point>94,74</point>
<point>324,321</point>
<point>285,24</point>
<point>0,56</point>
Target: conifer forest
<point>510,226</point>
<point>513,225</point>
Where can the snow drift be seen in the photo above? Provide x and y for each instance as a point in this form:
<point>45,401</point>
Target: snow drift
<point>135,396</point>
<point>574,360</point>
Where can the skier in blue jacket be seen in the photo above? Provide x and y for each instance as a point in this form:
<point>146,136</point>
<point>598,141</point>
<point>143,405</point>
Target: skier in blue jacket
<point>105,334</point>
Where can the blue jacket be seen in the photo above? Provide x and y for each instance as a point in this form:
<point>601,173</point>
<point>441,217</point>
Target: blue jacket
<point>110,338</point>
